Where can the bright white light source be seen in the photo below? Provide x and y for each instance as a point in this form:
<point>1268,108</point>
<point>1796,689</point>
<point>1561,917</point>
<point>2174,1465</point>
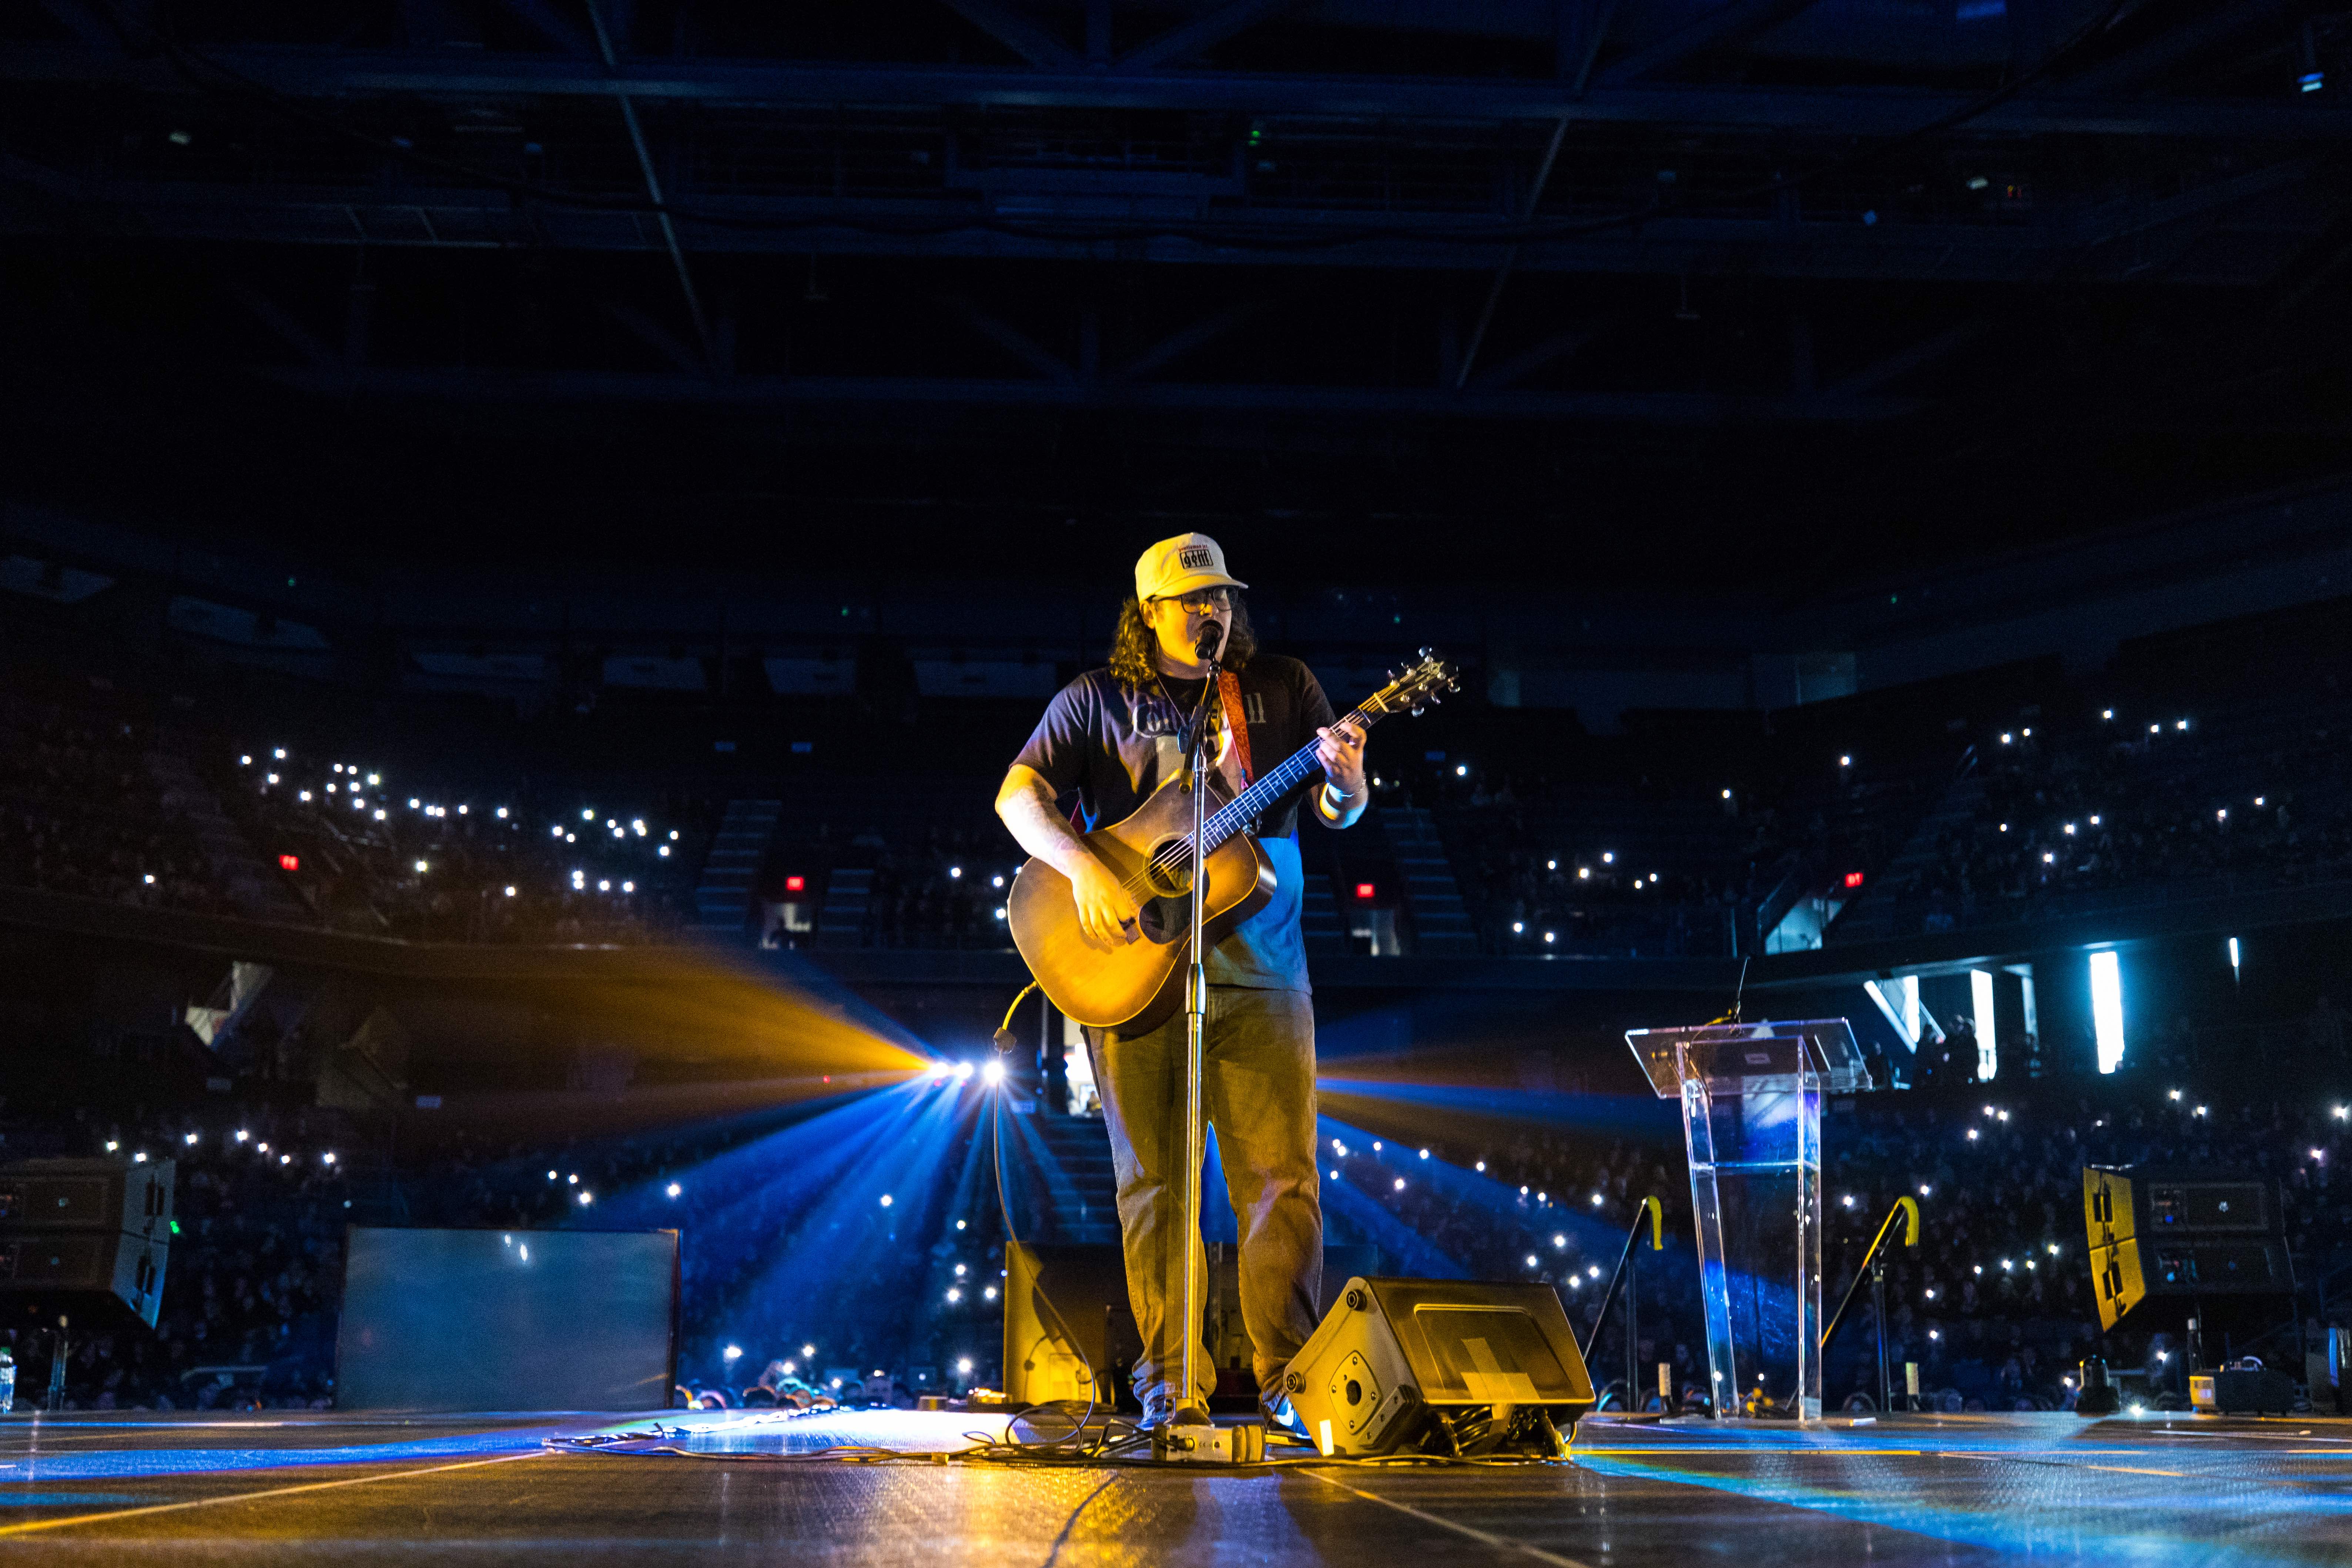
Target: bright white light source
<point>1596,1200</point>
<point>1608,856</point>
<point>1981,998</point>
<point>2107,1008</point>
<point>1532,1261</point>
<point>732,1353</point>
<point>1560,1242</point>
<point>1400,1183</point>
<point>965,1367</point>
<point>674,1189</point>
<point>954,1295</point>
<point>886,1200</point>
<point>420,866</point>
<point>1924,1189</point>
<point>992,1073</point>
<point>586,1198</point>
<point>2233,957</point>
<point>955,871</point>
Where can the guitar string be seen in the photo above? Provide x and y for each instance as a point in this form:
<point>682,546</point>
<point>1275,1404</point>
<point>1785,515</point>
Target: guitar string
<point>1173,856</point>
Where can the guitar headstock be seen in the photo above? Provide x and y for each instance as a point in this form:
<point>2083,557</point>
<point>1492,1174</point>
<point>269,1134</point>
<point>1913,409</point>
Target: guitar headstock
<point>1427,682</point>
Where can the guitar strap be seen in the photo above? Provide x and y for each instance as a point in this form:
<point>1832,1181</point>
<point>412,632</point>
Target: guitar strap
<point>1229,696</point>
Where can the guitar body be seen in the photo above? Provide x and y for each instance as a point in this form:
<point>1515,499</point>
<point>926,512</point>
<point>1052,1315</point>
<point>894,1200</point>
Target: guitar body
<point>1142,984</point>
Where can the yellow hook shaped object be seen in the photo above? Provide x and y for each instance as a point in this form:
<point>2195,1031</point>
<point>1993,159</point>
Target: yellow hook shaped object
<point>1910,1208</point>
<point>1658,1222</point>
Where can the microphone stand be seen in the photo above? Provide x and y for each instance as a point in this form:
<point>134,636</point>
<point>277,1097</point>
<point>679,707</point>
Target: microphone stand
<point>1196,1015</point>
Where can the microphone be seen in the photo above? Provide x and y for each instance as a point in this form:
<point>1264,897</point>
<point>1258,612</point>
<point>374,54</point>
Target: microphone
<point>1205,647</point>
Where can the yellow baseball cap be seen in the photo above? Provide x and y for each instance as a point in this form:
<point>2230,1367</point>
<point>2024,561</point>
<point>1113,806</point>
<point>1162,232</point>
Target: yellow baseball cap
<point>1180,565</point>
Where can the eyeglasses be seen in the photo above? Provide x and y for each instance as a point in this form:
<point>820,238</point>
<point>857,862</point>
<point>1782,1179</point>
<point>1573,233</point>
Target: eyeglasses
<point>1201,601</point>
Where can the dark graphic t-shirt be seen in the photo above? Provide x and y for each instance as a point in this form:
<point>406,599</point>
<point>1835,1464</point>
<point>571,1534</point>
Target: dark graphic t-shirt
<point>1114,747</point>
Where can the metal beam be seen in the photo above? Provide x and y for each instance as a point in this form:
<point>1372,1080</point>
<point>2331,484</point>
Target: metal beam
<point>84,24</point>
<point>655,336</point>
<point>1919,355</point>
<point>653,191</point>
<point>560,387</point>
<point>1723,27</point>
<point>540,17</point>
<point>2161,53</point>
<point>1015,342</point>
<point>1841,112</point>
<point>1176,345</point>
<point>1529,361</point>
<point>289,331</point>
<point>1018,33</point>
<point>1178,45</point>
<point>2080,242</point>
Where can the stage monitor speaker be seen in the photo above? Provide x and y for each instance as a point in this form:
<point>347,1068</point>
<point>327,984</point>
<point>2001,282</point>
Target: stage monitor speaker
<point>82,1272</point>
<point>85,1236</point>
<point>87,1194</point>
<point>2158,1232</point>
<point>1394,1354</point>
<point>1066,1309</point>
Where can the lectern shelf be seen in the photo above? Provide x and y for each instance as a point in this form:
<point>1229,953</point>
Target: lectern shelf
<point>1751,1101</point>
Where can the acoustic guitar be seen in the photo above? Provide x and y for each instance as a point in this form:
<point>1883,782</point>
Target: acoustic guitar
<point>1136,988</point>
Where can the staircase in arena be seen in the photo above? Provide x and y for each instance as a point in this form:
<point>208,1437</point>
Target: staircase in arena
<point>1440,922</point>
<point>722,898</point>
<point>841,918</point>
<point>1321,925</point>
<point>1875,912</point>
<point>253,884</point>
<point>1059,1168</point>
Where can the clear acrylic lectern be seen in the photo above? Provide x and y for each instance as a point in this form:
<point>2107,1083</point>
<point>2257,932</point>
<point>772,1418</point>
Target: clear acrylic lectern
<point>1751,1099</point>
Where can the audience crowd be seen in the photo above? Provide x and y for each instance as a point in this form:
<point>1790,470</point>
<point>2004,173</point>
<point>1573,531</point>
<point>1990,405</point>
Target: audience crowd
<point>1994,1305</point>
<point>381,855</point>
<point>2132,802</point>
<point>82,812</point>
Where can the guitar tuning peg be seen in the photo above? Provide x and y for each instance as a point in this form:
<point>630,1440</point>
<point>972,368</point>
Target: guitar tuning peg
<point>1416,712</point>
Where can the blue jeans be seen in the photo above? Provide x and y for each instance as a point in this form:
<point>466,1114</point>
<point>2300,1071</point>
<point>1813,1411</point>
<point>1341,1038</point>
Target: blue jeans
<point>1257,1088</point>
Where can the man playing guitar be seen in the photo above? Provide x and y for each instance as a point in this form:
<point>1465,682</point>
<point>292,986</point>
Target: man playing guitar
<point>1113,736</point>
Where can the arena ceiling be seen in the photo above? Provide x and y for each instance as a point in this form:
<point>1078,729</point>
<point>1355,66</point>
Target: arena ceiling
<point>1659,288</point>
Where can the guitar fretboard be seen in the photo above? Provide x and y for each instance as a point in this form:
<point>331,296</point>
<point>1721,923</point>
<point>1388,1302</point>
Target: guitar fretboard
<point>1256,801</point>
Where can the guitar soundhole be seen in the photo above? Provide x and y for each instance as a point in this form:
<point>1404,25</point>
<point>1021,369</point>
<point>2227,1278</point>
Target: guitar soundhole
<point>1170,881</point>
<point>1168,914</point>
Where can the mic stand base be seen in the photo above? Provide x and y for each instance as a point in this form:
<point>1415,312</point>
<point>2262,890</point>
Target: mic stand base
<point>1197,1442</point>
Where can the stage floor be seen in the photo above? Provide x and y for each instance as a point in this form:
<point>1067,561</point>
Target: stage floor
<point>484,1489</point>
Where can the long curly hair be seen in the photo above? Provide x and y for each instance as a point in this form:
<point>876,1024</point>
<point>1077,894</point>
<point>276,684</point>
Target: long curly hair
<point>1132,646</point>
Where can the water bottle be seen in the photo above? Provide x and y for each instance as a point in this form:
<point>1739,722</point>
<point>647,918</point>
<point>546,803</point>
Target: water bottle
<point>7,1381</point>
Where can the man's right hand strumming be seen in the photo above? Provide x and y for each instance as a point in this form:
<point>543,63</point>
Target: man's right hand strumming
<point>1106,910</point>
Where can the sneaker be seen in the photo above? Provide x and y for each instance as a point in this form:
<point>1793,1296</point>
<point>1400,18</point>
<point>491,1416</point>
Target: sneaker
<point>1281,1417</point>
